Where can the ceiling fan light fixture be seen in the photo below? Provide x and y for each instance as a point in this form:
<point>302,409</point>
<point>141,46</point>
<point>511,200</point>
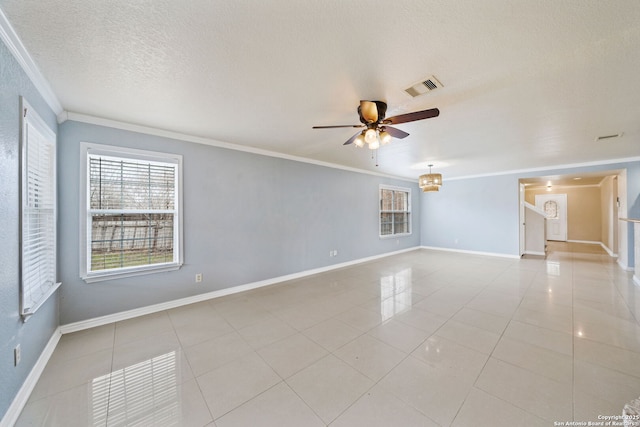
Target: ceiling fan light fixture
<point>374,145</point>
<point>359,141</point>
<point>430,181</point>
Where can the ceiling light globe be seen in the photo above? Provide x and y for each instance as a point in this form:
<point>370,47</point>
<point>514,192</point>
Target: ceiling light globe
<point>374,145</point>
<point>385,137</point>
<point>370,137</point>
<point>359,141</point>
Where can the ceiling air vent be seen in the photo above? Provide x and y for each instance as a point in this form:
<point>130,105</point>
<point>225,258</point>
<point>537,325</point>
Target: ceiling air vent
<point>604,137</point>
<point>426,85</point>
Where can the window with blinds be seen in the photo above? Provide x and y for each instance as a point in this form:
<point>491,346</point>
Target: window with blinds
<point>132,212</point>
<point>38,211</point>
<point>395,211</point>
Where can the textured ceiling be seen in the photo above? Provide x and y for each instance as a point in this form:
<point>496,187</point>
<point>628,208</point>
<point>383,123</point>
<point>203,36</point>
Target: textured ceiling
<point>527,83</point>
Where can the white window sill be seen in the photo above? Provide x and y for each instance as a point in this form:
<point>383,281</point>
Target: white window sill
<point>393,236</point>
<point>123,273</point>
<point>31,310</point>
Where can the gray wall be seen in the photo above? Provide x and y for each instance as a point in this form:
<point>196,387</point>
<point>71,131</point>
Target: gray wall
<point>33,335</point>
<point>247,218</point>
<point>482,213</point>
<point>478,214</point>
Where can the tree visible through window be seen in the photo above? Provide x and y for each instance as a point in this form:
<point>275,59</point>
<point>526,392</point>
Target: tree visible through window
<point>132,213</point>
<point>395,211</point>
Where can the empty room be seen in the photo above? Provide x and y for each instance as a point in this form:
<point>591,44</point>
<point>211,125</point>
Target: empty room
<point>338,213</point>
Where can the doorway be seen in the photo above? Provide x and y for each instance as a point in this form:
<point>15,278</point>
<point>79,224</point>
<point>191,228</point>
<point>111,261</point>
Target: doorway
<point>594,201</point>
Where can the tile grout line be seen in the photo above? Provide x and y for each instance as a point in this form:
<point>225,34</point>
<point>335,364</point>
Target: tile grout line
<point>113,350</point>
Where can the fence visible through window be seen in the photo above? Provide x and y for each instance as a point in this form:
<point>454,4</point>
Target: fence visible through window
<point>131,212</point>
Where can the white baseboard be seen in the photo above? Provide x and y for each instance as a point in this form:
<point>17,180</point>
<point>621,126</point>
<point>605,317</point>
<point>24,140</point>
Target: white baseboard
<point>129,314</point>
<point>535,253</point>
<point>12,414</point>
<point>624,267</point>
<point>493,254</point>
<point>609,251</point>
<point>592,242</point>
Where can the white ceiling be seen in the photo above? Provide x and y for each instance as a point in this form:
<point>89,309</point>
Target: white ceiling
<point>527,83</point>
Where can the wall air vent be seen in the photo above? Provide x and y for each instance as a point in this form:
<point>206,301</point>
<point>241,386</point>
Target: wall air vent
<point>424,86</point>
<point>604,137</point>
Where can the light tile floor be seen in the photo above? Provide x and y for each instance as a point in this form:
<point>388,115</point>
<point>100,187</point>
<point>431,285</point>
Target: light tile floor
<point>424,338</point>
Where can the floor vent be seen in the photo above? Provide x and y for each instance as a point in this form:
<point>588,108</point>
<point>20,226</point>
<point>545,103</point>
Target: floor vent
<point>425,86</point>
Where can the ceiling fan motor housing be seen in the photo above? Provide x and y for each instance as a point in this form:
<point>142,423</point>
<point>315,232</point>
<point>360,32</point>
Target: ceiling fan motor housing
<point>372,112</point>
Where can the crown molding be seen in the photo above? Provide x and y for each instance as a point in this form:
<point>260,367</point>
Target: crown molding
<point>99,121</point>
<point>560,186</point>
<point>549,168</point>
<point>20,53</point>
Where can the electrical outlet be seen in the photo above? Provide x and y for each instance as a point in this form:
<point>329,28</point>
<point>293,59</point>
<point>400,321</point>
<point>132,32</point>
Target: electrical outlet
<point>198,277</point>
<point>16,355</point>
<point>335,252</point>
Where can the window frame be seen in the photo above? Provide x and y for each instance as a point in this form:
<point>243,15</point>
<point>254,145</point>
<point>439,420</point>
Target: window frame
<point>30,122</point>
<point>91,149</point>
<point>393,211</point>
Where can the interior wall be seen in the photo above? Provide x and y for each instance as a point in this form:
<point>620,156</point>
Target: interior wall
<point>625,239</point>
<point>609,219</point>
<point>481,213</point>
<point>476,214</point>
<point>34,334</point>
<point>584,212</point>
<point>631,183</point>
<point>247,218</point>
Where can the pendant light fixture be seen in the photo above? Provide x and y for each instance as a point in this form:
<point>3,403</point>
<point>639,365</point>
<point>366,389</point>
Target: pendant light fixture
<point>430,181</point>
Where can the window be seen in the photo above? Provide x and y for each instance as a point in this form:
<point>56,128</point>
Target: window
<point>38,211</point>
<point>395,211</point>
<point>131,211</point>
<point>551,209</point>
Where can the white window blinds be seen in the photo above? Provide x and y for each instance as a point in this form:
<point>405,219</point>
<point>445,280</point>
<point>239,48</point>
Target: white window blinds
<point>38,239</point>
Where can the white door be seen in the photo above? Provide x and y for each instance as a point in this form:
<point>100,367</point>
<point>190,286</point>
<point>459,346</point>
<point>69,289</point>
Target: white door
<point>555,206</point>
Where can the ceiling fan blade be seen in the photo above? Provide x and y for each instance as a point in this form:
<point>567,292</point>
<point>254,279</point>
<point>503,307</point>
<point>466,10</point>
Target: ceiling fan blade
<point>338,126</point>
<point>368,111</point>
<point>396,133</point>
<point>353,138</point>
<point>412,117</point>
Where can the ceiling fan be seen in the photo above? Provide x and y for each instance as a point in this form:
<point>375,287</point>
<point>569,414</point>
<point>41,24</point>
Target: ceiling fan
<point>372,117</point>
